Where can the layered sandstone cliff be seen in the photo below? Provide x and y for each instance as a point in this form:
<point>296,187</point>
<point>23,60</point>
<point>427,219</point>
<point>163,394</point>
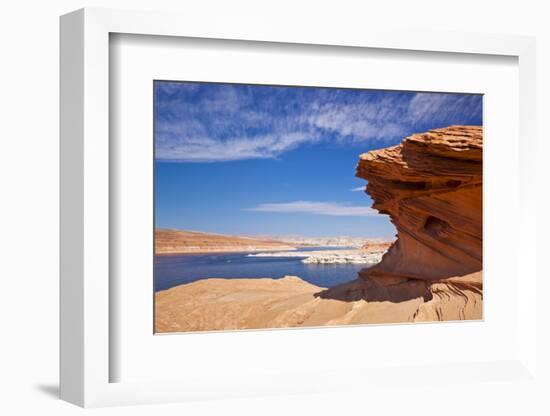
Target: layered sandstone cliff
<point>431,187</point>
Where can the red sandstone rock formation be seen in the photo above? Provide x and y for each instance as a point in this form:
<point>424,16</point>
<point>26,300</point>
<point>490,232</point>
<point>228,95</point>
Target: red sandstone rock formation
<point>431,187</point>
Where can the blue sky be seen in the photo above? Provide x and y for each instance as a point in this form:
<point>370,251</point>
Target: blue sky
<point>269,160</point>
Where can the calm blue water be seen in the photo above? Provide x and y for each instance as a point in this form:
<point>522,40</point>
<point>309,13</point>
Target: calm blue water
<point>175,270</point>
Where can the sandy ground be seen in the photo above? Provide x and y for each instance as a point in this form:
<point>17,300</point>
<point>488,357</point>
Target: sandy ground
<point>229,304</point>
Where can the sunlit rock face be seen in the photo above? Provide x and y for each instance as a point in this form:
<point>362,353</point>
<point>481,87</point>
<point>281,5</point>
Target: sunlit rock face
<point>431,187</point>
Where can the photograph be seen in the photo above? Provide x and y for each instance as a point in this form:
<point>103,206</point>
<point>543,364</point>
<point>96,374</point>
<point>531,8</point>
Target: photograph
<point>298,207</point>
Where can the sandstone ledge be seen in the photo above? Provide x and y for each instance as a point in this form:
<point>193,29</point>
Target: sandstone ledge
<point>234,304</point>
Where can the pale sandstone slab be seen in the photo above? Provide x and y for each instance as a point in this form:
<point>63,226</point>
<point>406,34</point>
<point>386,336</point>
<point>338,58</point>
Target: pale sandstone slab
<point>230,304</point>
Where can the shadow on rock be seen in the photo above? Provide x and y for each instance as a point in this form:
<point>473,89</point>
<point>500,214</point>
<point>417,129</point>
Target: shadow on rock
<point>364,289</point>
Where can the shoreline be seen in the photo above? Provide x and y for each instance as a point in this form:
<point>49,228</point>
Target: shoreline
<point>176,269</point>
<point>293,250</point>
<point>329,256</point>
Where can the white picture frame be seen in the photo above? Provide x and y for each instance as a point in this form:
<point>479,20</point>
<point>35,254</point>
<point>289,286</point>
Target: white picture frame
<point>86,356</point>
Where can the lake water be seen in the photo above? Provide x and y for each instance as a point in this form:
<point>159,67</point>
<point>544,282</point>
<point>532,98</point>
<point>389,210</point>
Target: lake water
<point>175,270</point>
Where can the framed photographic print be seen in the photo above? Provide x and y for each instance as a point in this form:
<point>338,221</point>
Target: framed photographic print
<point>280,212</point>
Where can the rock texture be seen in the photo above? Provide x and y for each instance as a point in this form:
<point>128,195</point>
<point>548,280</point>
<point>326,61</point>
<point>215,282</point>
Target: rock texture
<point>230,304</point>
<point>182,242</point>
<point>431,187</point>
<point>214,304</point>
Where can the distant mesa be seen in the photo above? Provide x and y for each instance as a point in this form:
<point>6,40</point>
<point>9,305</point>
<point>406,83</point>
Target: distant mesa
<point>169,241</point>
<point>172,241</point>
<point>376,247</point>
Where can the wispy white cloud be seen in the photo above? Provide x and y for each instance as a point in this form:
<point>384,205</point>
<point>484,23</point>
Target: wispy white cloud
<point>197,123</point>
<point>319,208</point>
<point>205,149</point>
<point>358,189</point>
<point>442,107</point>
